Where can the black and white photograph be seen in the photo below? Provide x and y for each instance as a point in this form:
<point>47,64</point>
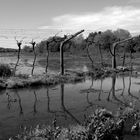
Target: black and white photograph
<point>69,69</point>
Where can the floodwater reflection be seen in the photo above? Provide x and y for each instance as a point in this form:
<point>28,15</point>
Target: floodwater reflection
<point>64,112</point>
<point>101,90</point>
<point>129,88</point>
<point>10,100</point>
<point>19,102</point>
<point>13,100</point>
<point>123,86</point>
<point>48,102</point>
<point>64,107</point>
<point>114,92</point>
<point>90,90</point>
<point>65,104</point>
<point>35,103</point>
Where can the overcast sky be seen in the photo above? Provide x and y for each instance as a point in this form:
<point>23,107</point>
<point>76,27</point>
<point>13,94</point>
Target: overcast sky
<point>70,14</point>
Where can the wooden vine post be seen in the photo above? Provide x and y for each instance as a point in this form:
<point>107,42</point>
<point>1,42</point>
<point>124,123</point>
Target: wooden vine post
<point>48,42</point>
<point>48,52</point>
<point>123,62</point>
<point>100,49</point>
<point>62,52</point>
<point>114,50</point>
<point>19,43</point>
<point>47,57</point>
<point>33,43</point>
<point>101,56</point>
<point>88,43</point>
<point>114,56</point>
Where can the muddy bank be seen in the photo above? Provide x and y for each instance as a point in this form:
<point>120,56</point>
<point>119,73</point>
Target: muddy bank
<point>71,76</point>
<point>23,81</point>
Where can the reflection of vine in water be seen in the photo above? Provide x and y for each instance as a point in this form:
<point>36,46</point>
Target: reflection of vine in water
<point>87,97</point>
<point>64,108</point>
<point>123,89</point>
<point>49,109</point>
<point>65,111</point>
<point>9,105</point>
<point>10,100</point>
<point>113,93</point>
<point>122,94</point>
<point>112,90</point>
<point>49,100</point>
<point>101,90</point>
<point>19,102</point>
<point>129,88</point>
<point>35,103</point>
<point>112,87</point>
<point>92,90</point>
<point>108,97</point>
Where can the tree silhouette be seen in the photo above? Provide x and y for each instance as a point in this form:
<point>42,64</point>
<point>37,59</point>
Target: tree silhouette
<point>19,43</point>
<point>33,43</point>
<point>19,102</point>
<point>115,45</point>
<point>66,40</point>
<point>35,103</point>
<point>129,87</point>
<point>89,42</point>
<point>64,108</point>
<point>48,45</point>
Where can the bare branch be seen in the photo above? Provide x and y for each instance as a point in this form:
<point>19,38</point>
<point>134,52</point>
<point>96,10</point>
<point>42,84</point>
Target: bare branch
<point>16,39</point>
<point>63,42</point>
<point>114,48</point>
<point>19,42</point>
<point>110,50</point>
<point>72,36</point>
<point>33,43</point>
<point>125,40</point>
<point>58,33</point>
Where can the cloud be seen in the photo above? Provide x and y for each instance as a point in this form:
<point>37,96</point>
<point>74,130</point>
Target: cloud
<point>133,1</point>
<point>126,17</point>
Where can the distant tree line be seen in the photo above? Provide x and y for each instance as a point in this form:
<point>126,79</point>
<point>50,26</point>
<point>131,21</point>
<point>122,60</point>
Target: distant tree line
<point>78,43</point>
<point>8,50</point>
<point>102,40</point>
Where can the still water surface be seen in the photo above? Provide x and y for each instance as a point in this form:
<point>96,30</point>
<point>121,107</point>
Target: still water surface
<point>67,102</point>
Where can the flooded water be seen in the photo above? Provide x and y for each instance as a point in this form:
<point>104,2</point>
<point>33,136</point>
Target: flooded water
<point>67,102</point>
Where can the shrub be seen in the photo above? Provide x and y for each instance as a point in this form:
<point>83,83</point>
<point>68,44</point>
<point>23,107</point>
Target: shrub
<point>5,70</point>
<point>101,125</point>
